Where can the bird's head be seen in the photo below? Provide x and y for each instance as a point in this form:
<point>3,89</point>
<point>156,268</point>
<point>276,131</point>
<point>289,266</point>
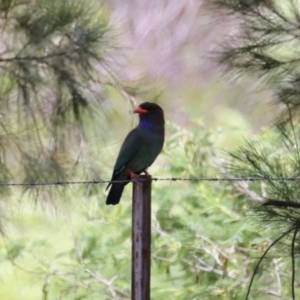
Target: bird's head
<point>151,115</point>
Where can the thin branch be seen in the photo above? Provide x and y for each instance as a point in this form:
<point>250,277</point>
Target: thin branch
<point>108,283</point>
<point>277,274</point>
<point>281,203</point>
<point>261,259</point>
<point>293,263</point>
<point>243,187</point>
<point>39,57</point>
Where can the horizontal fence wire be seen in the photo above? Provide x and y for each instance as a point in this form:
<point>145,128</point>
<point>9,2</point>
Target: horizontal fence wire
<point>172,179</point>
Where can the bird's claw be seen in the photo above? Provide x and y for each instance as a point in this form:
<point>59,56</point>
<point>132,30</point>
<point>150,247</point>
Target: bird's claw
<point>133,175</point>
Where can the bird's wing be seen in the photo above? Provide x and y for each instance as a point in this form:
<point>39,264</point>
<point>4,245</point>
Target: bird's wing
<point>130,147</point>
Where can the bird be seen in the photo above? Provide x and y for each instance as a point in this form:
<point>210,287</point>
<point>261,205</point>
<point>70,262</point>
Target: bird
<point>139,150</point>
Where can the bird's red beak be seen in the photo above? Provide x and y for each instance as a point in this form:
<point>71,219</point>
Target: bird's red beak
<point>140,110</point>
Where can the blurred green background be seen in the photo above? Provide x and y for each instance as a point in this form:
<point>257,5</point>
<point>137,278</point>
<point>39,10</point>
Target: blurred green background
<point>63,242</point>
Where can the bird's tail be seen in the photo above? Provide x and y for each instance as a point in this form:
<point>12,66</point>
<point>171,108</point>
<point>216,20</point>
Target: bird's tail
<point>115,193</point>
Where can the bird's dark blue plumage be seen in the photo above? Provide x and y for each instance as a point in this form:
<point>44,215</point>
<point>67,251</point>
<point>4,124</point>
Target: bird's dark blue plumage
<point>140,148</point>
<point>146,123</point>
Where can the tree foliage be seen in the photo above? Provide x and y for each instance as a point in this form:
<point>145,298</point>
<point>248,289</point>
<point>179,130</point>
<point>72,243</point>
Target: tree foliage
<point>265,47</point>
<point>53,69</point>
<point>267,34</point>
<point>201,245</point>
<point>55,77</point>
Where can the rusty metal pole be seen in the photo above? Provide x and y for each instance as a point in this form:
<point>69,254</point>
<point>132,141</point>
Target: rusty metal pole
<point>141,239</point>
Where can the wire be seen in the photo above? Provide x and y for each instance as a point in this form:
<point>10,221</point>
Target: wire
<point>215,179</point>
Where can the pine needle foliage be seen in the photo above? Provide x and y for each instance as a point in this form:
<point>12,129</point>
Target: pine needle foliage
<point>274,155</point>
<point>53,60</point>
<point>264,44</point>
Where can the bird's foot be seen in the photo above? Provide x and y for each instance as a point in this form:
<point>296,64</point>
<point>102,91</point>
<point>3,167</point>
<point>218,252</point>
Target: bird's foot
<point>147,174</point>
<point>133,175</point>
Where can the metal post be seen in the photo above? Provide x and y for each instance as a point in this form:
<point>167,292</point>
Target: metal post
<point>141,239</point>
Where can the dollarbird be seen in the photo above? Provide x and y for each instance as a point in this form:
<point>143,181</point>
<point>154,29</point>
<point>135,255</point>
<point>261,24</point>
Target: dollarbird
<point>139,150</point>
